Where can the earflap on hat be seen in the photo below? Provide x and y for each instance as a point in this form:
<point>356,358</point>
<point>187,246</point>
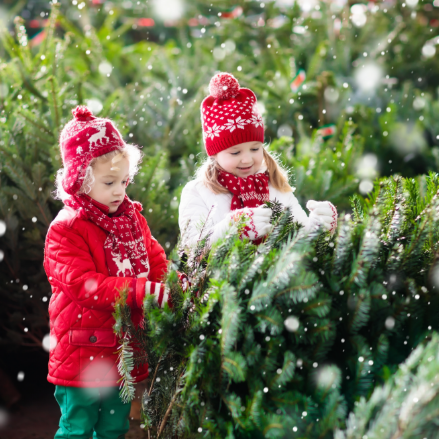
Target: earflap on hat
<point>74,175</point>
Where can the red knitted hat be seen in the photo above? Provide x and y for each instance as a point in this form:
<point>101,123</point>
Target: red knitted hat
<point>84,138</point>
<point>229,116</point>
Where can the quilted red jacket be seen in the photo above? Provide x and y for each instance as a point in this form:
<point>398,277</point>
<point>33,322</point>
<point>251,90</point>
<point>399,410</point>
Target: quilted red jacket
<point>83,295</point>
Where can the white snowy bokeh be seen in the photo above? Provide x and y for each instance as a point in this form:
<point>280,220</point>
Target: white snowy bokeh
<point>328,377</point>
<point>95,105</point>
<point>2,255</point>
<point>337,5</point>
<point>168,10</point>
<point>219,53</point>
<point>20,376</point>
<point>4,417</point>
<point>284,3</point>
<point>367,171</point>
<point>412,3</point>
<point>331,94</point>
<point>365,186</point>
<point>226,48</point>
<point>358,14</point>
<point>99,370</point>
<point>407,139</point>
<point>428,50</point>
<point>229,46</point>
<point>367,167</point>
<point>105,68</point>
<point>3,91</point>
<point>49,342</point>
<point>307,5</point>
<point>284,130</point>
<point>300,30</point>
<point>2,227</point>
<point>91,285</point>
<point>390,323</point>
<point>368,76</point>
<point>418,103</point>
<point>292,323</point>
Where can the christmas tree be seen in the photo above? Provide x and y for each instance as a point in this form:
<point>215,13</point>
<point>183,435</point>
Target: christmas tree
<point>283,339</point>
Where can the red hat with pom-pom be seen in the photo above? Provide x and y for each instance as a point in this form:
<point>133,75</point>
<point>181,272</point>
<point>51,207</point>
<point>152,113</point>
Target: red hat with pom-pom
<point>229,116</point>
<point>84,138</point>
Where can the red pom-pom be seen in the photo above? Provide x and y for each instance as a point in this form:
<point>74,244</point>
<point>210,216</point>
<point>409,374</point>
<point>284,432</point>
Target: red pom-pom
<point>224,86</point>
<point>81,112</point>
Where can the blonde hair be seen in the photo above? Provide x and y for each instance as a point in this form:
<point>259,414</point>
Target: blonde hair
<point>131,152</point>
<point>208,174</point>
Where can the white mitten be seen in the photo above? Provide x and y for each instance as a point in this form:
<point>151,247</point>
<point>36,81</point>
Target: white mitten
<point>322,214</point>
<point>221,229</point>
<point>256,220</point>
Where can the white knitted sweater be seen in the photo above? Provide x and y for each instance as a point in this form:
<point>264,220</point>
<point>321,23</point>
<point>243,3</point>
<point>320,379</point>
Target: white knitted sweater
<point>201,210</point>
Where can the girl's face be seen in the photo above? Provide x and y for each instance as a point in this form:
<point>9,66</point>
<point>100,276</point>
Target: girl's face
<point>111,181</point>
<point>243,159</point>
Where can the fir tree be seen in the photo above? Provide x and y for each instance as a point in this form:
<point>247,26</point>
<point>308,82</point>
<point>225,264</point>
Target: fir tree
<point>282,339</point>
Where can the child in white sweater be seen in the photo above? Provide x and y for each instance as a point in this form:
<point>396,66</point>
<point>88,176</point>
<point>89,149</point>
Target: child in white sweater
<point>239,174</point>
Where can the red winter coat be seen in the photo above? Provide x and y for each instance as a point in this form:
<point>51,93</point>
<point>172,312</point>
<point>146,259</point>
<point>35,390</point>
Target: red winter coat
<point>83,295</point>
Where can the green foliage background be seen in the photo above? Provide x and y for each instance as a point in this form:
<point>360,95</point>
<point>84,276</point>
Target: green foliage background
<point>151,81</point>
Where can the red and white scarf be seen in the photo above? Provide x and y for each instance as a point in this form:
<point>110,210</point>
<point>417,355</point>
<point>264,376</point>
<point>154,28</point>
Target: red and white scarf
<point>251,191</point>
<point>124,247</point>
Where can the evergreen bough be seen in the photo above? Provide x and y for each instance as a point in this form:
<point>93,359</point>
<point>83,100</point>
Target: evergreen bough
<point>285,339</point>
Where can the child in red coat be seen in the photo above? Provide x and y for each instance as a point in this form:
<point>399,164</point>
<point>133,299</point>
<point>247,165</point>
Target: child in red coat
<point>98,244</point>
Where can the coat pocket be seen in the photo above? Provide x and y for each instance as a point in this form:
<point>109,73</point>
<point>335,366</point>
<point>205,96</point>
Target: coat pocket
<point>92,337</point>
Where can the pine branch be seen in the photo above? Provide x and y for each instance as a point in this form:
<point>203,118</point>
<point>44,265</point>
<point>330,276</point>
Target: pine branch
<point>125,366</point>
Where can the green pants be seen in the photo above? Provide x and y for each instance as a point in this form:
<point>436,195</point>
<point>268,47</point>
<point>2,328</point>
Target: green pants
<point>92,411</point>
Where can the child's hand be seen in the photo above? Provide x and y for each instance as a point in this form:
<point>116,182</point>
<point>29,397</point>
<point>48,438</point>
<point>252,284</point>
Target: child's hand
<point>160,292</point>
<point>256,221</point>
<point>322,213</point>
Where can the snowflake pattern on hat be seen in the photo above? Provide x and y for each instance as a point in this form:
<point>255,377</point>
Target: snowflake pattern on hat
<point>256,120</point>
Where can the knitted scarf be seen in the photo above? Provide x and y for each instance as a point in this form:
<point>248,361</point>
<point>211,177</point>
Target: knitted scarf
<point>124,247</point>
<point>251,191</point>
